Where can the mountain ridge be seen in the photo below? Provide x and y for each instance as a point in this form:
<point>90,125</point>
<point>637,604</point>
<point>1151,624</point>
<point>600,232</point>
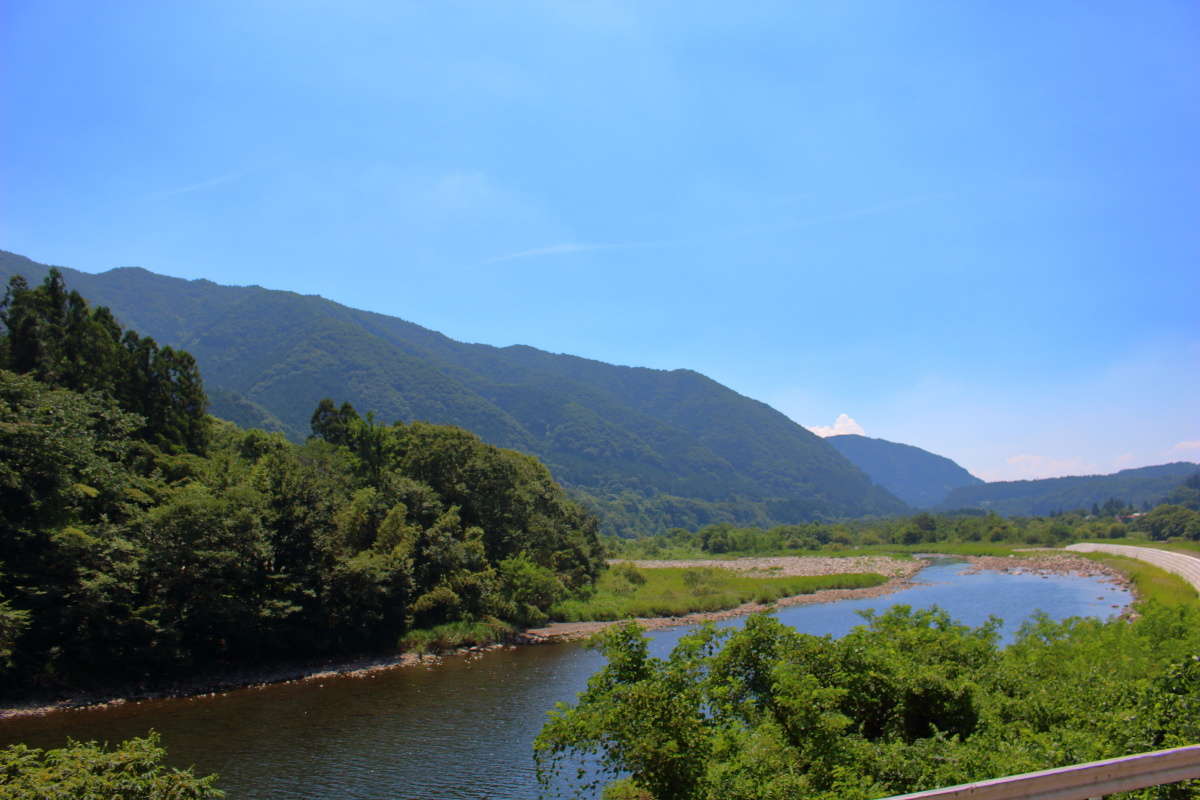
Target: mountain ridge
<point>1136,486</point>
<point>647,448</point>
<point>918,477</point>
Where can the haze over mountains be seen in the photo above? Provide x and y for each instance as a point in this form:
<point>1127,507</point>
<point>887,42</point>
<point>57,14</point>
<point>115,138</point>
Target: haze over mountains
<point>926,480</point>
<point>648,448</point>
<point>1140,487</point>
<point>918,477</point>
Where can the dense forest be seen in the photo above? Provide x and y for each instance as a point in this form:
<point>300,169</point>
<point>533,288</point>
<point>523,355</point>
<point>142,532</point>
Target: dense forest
<point>647,449</point>
<point>140,538</point>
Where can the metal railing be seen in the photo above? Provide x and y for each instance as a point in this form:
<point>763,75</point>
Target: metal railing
<point>1080,781</point>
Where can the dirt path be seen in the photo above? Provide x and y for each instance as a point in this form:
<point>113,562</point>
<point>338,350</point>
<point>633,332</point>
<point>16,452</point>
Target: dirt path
<point>1185,566</point>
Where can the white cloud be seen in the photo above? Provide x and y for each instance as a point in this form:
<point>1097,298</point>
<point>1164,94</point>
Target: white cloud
<point>1194,445</point>
<point>709,235</point>
<point>842,425</point>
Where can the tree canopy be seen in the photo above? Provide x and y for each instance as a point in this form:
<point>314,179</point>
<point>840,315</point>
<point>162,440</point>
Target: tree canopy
<point>53,335</point>
<point>138,543</point>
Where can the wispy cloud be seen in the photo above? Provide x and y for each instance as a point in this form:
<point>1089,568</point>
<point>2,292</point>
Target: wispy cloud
<point>1184,446</point>
<point>566,248</point>
<point>732,232</point>
<point>842,425</point>
<point>200,185</point>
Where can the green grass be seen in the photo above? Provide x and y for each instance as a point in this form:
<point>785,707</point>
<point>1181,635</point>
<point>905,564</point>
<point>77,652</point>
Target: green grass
<point>454,635</point>
<point>1150,582</point>
<point>623,591</point>
<point>1180,546</point>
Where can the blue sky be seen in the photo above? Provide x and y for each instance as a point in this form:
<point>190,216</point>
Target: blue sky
<point>973,227</point>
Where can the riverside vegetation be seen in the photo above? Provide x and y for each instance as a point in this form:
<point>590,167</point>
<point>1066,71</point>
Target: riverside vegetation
<point>141,540</point>
<point>624,591</point>
<point>911,700</point>
<point>908,701</point>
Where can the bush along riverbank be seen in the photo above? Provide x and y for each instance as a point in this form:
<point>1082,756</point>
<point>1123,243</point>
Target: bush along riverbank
<point>909,701</point>
<point>133,770</point>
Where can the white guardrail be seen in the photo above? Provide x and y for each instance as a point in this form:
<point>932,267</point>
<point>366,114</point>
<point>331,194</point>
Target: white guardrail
<point>1081,781</point>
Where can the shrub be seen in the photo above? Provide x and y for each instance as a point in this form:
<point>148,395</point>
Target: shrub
<point>133,771</point>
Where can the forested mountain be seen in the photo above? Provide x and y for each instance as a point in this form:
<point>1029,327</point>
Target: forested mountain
<point>646,448</point>
<point>1140,488</point>
<point>918,477</point>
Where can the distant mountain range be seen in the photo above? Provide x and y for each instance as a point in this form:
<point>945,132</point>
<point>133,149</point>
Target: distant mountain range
<point>648,449</point>
<point>925,480</point>
<point>1137,487</point>
<point>918,477</point>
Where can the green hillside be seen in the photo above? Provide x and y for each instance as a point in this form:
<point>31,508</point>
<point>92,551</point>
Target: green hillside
<point>1141,487</point>
<point>918,477</point>
<point>648,449</point>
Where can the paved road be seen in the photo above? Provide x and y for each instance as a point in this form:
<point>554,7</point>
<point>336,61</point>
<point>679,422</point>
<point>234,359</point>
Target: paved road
<point>1186,567</point>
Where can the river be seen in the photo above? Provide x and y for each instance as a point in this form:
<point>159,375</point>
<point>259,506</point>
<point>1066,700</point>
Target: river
<point>464,728</point>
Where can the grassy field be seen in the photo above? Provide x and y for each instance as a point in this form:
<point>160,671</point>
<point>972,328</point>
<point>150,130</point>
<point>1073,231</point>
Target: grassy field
<point>624,591</point>
<point>454,635</point>
<point>1150,582</point>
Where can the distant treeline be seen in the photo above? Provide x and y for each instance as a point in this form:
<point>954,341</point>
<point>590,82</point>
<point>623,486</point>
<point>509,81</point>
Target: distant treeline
<point>1140,488</point>
<point>141,539</point>
<point>1178,518</point>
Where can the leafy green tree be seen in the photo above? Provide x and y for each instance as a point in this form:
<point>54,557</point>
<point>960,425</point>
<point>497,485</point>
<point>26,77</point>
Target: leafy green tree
<point>205,557</point>
<point>531,589</point>
<point>62,485</point>
<point>132,771</point>
<point>1171,522</point>
<point>54,336</point>
<point>333,424</point>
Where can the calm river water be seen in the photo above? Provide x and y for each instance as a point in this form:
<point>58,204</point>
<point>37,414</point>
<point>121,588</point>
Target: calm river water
<point>464,729</point>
